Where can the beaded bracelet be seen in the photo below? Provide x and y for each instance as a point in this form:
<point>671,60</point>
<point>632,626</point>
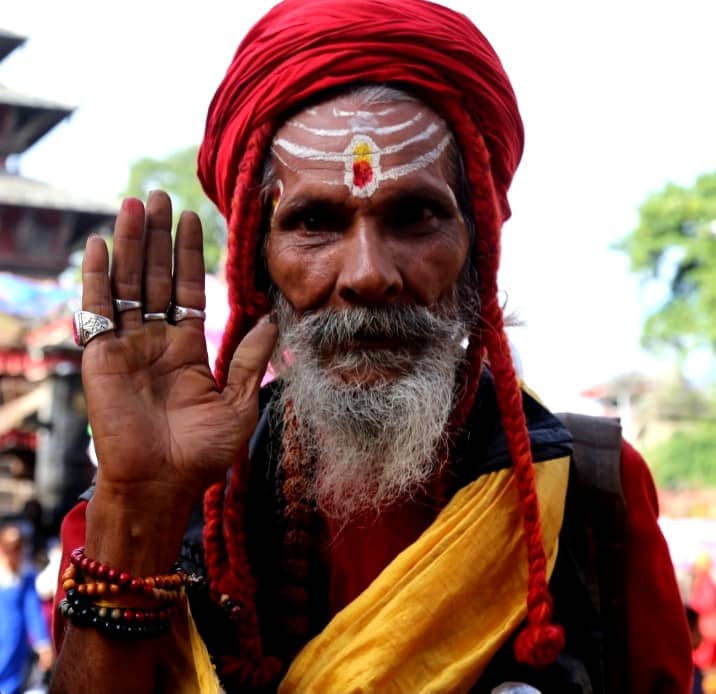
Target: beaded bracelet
<point>115,621</point>
<point>72,581</point>
<point>122,580</point>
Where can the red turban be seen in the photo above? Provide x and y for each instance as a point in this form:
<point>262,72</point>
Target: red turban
<point>304,47</point>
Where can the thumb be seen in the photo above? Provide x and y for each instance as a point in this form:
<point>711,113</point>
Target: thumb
<point>249,363</point>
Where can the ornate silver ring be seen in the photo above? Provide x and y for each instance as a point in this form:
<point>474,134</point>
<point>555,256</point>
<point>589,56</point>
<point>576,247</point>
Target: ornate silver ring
<point>123,305</point>
<point>179,313</point>
<point>88,325</point>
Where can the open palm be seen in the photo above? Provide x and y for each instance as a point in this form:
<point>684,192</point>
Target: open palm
<point>159,421</point>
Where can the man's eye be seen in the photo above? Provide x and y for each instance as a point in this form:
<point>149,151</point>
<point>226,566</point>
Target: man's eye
<point>410,215</point>
<point>313,219</point>
<point>313,222</point>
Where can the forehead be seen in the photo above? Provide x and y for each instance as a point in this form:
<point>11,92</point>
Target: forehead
<point>348,144</point>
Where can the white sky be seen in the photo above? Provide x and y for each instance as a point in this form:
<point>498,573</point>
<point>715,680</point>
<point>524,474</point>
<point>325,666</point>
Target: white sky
<point>618,98</point>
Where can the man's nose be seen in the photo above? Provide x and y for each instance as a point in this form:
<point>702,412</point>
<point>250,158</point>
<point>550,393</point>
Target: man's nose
<point>369,273</point>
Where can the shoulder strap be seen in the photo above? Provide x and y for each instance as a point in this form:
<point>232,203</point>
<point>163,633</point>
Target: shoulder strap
<point>597,445</point>
<point>596,466</point>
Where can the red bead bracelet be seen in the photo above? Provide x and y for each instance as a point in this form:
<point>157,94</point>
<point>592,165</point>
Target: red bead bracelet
<point>116,578</point>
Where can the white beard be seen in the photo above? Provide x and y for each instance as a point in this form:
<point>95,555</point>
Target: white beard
<point>370,444</point>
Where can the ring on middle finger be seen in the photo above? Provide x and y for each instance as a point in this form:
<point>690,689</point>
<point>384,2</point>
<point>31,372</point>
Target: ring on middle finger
<point>122,305</point>
<point>155,315</point>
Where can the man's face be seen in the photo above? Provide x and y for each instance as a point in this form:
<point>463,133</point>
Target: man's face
<point>367,248</point>
<point>364,211</point>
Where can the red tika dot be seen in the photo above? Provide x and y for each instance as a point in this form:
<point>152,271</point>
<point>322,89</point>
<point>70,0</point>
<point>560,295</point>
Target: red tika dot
<point>362,174</point>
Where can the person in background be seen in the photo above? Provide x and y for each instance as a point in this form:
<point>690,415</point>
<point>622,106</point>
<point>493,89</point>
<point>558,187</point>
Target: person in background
<point>46,581</point>
<point>692,617</point>
<point>23,627</point>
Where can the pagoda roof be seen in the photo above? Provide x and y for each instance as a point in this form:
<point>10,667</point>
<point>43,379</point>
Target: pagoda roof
<point>26,192</point>
<point>33,117</point>
<point>9,41</point>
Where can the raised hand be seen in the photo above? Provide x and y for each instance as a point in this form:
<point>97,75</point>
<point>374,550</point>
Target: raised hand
<point>163,430</point>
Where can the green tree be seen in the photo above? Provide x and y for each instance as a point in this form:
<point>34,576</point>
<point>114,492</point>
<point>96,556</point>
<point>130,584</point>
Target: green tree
<point>674,245</point>
<point>674,248</point>
<point>687,459</point>
<point>176,174</point>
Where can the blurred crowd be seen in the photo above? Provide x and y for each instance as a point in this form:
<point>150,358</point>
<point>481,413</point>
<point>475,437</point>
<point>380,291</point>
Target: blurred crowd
<point>29,565</point>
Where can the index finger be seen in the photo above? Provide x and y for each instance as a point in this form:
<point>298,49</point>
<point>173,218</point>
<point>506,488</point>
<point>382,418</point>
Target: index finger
<point>96,294</point>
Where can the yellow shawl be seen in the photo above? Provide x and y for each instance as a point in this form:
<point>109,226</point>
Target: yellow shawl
<point>438,613</point>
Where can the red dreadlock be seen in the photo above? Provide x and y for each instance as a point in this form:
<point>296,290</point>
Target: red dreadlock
<point>224,530</point>
<point>540,641</point>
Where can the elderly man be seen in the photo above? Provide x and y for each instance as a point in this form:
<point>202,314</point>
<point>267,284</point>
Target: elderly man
<point>399,516</point>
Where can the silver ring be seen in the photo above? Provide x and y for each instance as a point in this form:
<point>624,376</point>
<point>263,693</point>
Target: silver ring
<point>88,325</point>
<point>155,315</point>
<point>123,305</point>
<point>179,313</point>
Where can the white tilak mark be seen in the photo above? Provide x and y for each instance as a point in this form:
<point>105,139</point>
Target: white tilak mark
<point>274,151</point>
<point>419,163</point>
<point>360,128</point>
<point>361,114</point>
<point>319,155</point>
<point>297,170</point>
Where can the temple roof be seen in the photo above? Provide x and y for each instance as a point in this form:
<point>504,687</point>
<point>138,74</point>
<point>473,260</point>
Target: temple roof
<point>25,192</point>
<point>9,41</point>
<point>24,119</point>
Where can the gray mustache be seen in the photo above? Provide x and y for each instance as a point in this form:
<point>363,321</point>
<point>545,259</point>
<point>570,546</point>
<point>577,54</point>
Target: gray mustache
<point>332,329</point>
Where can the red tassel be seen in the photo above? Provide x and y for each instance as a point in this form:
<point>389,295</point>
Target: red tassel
<point>538,645</point>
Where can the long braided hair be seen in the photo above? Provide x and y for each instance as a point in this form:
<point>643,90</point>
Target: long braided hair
<point>279,67</point>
